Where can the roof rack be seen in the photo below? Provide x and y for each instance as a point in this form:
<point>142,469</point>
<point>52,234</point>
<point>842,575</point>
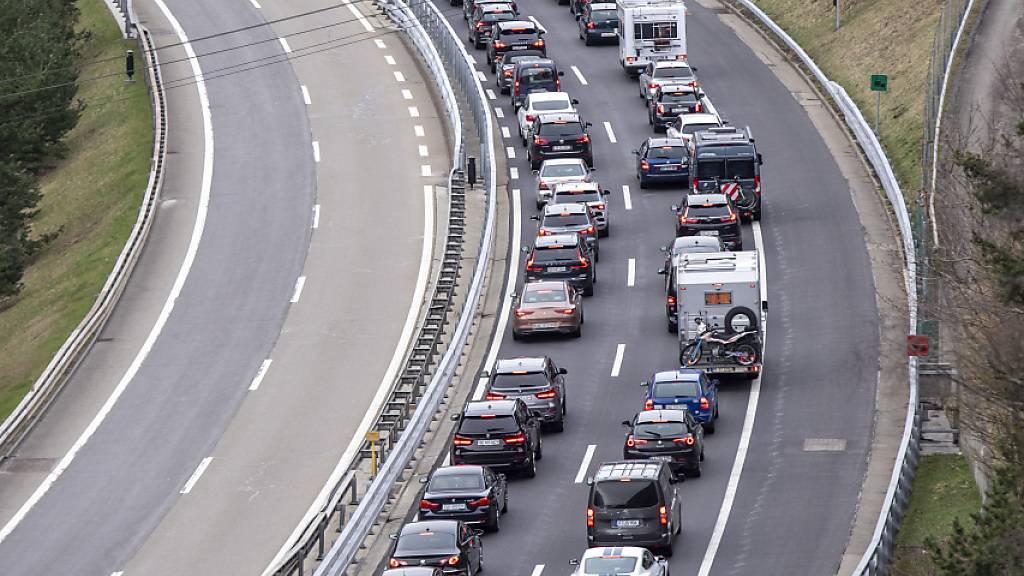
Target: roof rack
<point>631,470</point>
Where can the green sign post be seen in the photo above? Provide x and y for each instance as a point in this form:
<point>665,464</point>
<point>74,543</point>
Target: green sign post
<point>879,84</point>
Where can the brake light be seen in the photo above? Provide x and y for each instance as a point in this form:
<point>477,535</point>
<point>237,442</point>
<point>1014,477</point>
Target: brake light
<point>485,501</point>
<point>591,25</point>
<point>583,138</point>
<point>567,312</point>
<point>517,87</point>
<point>479,25</point>
<point>757,185</point>
<point>548,394</point>
<point>395,563</point>
<point>530,267</point>
<point>697,107</point>
<point>661,108</point>
<point>583,264</point>
<point>590,517</point>
<point>663,515</point>
<point>589,230</point>
<point>517,438</point>
<point>540,141</point>
<point>630,59</point>
<point>695,183</point>
<point>542,232</point>
<point>649,404</point>
<point>704,404</point>
<point>538,43</point>
<point>730,218</point>
<point>500,44</point>
<point>454,560</point>
<point>507,73</point>
<point>495,396</point>
<point>543,185</point>
<point>461,441</point>
<point>686,220</point>
<point>645,165</point>
<point>632,441</point>
<point>688,440</point>
<point>428,505</point>
<point>671,301</point>
<point>529,117</point>
<point>519,314</point>
<point>652,85</point>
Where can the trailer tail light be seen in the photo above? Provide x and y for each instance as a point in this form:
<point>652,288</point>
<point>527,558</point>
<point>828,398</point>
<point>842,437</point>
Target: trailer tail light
<point>697,107</point>
<point>704,404</point>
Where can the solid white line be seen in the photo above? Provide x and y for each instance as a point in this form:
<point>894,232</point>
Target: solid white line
<point>419,130</point>
<point>490,94</point>
<point>579,75</point>
<point>627,201</point>
<point>585,464</point>
<point>257,6</point>
<point>383,388</point>
<point>195,475</point>
<point>513,173</point>
<point>380,43</point>
<point>316,216</point>
<point>316,151</point>
<point>172,297</point>
<point>423,150</point>
<point>631,272</point>
<point>537,570</point>
<point>390,59</point>
<point>611,134</point>
<point>284,45</point>
<point>300,283</point>
<point>305,95</point>
<point>745,434</point>
<point>425,170</point>
<point>510,152</point>
<point>258,378</point>
<point>399,77</point>
<point>359,15</point>
<point>499,112</point>
<point>414,112</point>
<point>505,132</point>
<point>620,351</point>
<point>407,94</point>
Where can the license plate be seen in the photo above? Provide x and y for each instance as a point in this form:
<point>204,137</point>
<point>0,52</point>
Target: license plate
<point>708,233</point>
<point>561,148</point>
<point>520,47</point>
<point>488,442</point>
<point>667,168</point>
<point>608,34</point>
<point>542,326</point>
<point>627,523</point>
<point>680,110</point>
<point>556,268</point>
<point>662,458</point>
<point>453,507</point>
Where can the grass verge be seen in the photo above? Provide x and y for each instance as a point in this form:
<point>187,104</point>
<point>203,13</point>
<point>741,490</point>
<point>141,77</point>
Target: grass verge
<point>92,197</point>
<point>944,490</point>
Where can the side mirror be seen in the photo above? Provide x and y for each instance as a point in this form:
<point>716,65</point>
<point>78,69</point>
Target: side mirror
<point>525,249</point>
<point>764,305</point>
<point>575,101</point>
<point>393,536</point>
<point>478,532</point>
<point>502,477</point>
<point>588,124</point>
<point>574,562</point>
<point>563,371</point>
<point>725,122</point>
<point>694,68</point>
<point>645,383</point>
<point>535,217</point>
<point>675,208</point>
<point>663,248</point>
<point>626,423</point>
<point>760,160</point>
<point>561,73</point>
<point>590,480</point>
<point>424,479</point>
<point>536,172</point>
<point>663,271</point>
<point>454,417</point>
<point>606,192</point>
<point>593,169</point>
<point>635,152</point>
<point>659,558</point>
<point>486,373</point>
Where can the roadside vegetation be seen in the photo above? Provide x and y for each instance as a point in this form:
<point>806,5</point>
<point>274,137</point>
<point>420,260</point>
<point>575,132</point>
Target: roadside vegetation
<point>73,169</point>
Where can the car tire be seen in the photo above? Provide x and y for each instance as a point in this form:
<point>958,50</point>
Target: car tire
<point>650,121</point>
<point>695,472</point>
<point>709,427</point>
<point>641,90</point>
<point>578,332</point>
<point>494,525</point>
<point>673,327</point>
<point>702,454</point>
<point>558,426</point>
<point>530,470</point>
<point>504,502</point>
<point>589,290</point>
<point>539,455</point>
<point>666,551</point>
<point>757,215</point>
<point>516,335</point>
<point>606,232</point>
<point>716,415</point>
<point>643,184</point>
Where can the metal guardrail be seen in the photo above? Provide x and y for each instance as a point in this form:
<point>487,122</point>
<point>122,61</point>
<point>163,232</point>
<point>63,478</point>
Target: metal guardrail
<point>401,433</point>
<point>876,558</point>
<point>74,349</point>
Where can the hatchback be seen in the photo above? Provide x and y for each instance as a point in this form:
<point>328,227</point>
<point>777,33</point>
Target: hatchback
<point>482,21</point>
<point>559,136</point>
<point>664,72</point>
<point>470,6</point>
<point>447,544</point>
<point>671,436</point>
<point>535,381</point>
<point>684,388</point>
<point>687,125</point>
<point>471,493</point>
<point>558,171</point>
<point>598,22</point>
<point>534,76</point>
<point>542,103</point>
<point>552,307</point>
<point>662,160</point>
<point>709,215</point>
<point>671,101</point>
<point>499,434</point>
<point>562,257</point>
<point>588,193</point>
<point>568,219</point>
<point>513,36</point>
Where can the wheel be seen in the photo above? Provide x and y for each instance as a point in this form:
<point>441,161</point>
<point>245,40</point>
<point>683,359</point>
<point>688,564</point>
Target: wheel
<point>589,290</point>
<point>688,351</point>
<point>710,427</point>
<point>494,525</point>
<point>702,454</point>
<point>757,214</point>
<point>578,332</point>
<point>667,550</point>
<point>516,335</point>
<point>650,120</point>
<point>504,502</point>
<point>748,354</point>
<point>540,449</point>
<point>696,471</point>
<point>643,184</point>
<point>530,470</point>
<point>583,320</point>
<point>558,426</point>
<point>606,232</point>
<point>480,561</point>
<point>597,255</point>
<point>673,327</point>
<point>641,90</point>
<point>737,311</point>
<point>716,418</point>
<point>586,41</point>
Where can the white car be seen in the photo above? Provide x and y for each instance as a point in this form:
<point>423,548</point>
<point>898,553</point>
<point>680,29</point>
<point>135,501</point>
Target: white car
<point>686,124</point>
<point>542,103</point>
<point>664,72</point>
<point>621,561</point>
<point>557,171</point>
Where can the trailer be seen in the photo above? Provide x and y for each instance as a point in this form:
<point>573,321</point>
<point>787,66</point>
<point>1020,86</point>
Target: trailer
<point>651,31</point>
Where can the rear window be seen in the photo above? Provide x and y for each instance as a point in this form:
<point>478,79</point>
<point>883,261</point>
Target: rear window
<point>711,168</point>
<point>678,388</point>
<point>498,16</point>
<point>425,542</point>
<point>562,170</point>
<point>545,295</point>
<point>604,16</point>
<point>517,381</point>
<point>666,152</point>
<point>451,482</point>
<point>558,220</point>
<point>674,72</point>
<point>678,98</point>
<point>651,430</point>
<point>694,128</point>
<point>537,75</point>
<point>713,211</point>
<point>610,565</point>
<point>554,254</point>
<point>739,168</point>
<point>550,105</point>
<point>570,198</point>
<point>563,130</point>
<point>518,31</point>
<point>498,424</point>
<point>631,494</point>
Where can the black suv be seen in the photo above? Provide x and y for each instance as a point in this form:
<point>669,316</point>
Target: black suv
<point>499,434</point>
<point>726,159</point>
<point>559,136</point>
<point>536,381</point>
<point>513,36</point>
<point>473,494</point>
<point>503,76</point>
<point>562,257</point>
<point>483,19</point>
<point>670,101</point>
<point>598,22</point>
<point>633,503</point>
<point>671,436</point>
<point>709,215</point>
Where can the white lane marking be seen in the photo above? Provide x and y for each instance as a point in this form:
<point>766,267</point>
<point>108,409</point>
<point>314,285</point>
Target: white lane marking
<point>407,94</point>
<point>472,58</point>
<point>380,43</point>
<point>414,112</point>
<point>203,465</point>
<point>499,112</point>
<point>284,45</point>
<point>359,15</point>
<point>585,464</point>
<point>620,351</point>
<point>631,272</point>
<point>579,75</point>
<point>316,151</point>
<point>611,133</point>
<point>300,283</point>
<point>481,75</point>
<point>399,77</point>
<point>745,434</point>
<point>537,22</point>
<point>505,133</point>
<point>305,95</point>
<point>537,570</point>
<point>510,289</point>
<point>490,94</point>
<point>172,296</point>
<point>316,216</point>
<point>257,6</point>
<point>383,388</point>
<point>419,131</point>
<point>423,150</point>
<point>627,201</point>
<point>513,173</point>
<point>260,374</point>
<point>390,59</point>
<point>510,151</point>
<point>425,170</point>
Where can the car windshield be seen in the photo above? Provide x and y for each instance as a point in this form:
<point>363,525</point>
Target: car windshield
<point>540,296</point>
<point>694,128</point>
<point>666,152</point>
<point>562,170</point>
<point>678,98</point>
<point>604,16</point>
<point>673,72</point>
<point>625,494</point>
<point>610,566</point>
<point>676,388</point>
<point>425,542</point>
<point>741,168</point>
<point>485,425</point>
<point>559,220</point>
<point>650,430</point>
<point>453,482</point>
<point>555,254</point>
<point>706,211</point>
<point>517,381</point>
<point>543,105</point>
<point>573,197</point>
<point>561,129</point>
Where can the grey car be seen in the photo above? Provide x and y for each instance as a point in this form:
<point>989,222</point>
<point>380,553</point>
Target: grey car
<point>665,72</point>
<point>536,381</point>
<point>588,193</point>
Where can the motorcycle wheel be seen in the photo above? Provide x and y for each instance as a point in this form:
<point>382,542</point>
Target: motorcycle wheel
<point>747,354</point>
<point>690,355</point>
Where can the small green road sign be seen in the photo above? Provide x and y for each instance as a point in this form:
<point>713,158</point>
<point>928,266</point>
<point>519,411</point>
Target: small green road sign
<point>879,83</point>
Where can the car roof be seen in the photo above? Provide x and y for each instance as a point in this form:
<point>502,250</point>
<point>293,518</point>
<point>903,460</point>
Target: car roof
<point>671,64</point>
<point>599,551</point>
<point>544,285</point>
<point>678,374</point>
<point>576,186</point>
<point>524,56</point>
<point>452,470</point>
<point>557,209</point>
<point>658,142</point>
<point>557,117</point>
<point>660,416</point>
<point>517,24</point>
<point>539,96</point>
<point>557,241</point>
<point>441,526</point>
<point>702,199</point>
<point>700,118</point>
<point>477,408</point>
<point>632,469</point>
<point>683,242</point>
<point>561,161</point>
<point>539,63</point>
<point>603,6</point>
<point>510,365</point>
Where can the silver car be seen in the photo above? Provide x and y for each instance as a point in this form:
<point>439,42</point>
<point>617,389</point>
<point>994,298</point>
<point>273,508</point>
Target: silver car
<point>557,171</point>
<point>588,193</point>
<point>664,72</point>
<point>621,561</point>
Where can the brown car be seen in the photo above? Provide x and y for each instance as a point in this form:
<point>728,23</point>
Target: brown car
<point>548,307</point>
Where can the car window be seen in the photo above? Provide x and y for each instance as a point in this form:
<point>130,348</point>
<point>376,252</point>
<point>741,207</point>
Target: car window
<point>694,128</point>
<point>555,254</point>
<point>573,197</point>
<point>603,16</point>
<point>678,98</point>
<point>550,105</point>
<point>498,16</point>
<point>495,425</point>
<point>450,482</point>
<point>543,296</point>
<point>561,129</point>
<point>631,494</point>
<point>711,168</point>
<point>743,168</point>
<point>654,430</point>
<point>673,72</point>
<point>676,388</point>
<point>667,152</point>
<point>517,381</point>
<point>426,541</point>
<point>609,565</point>
<point>648,560</point>
<point>536,75</point>
<point>562,170</point>
<point>713,211</point>
<point>559,220</point>
<point>518,31</point>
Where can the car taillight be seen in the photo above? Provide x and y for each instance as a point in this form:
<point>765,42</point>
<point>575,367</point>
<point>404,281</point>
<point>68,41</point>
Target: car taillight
<point>461,441</point>
<point>428,505</point>
<point>519,314</point>
<point>542,232</point>
<point>730,218</point>
<point>591,25</point>
<point>589,230</point>
<point>479,25</point>
<point>583,138</point>
<point>686,220</point>
<point>547,394</point>
<point>688,440</point>
<point>645,165</point>
<point>583,264</point>
<point>632,441</point>
<point>757,185</point>
<point>598,206</point>
<point>693,186</point>
<point>590,517</point>
<point>495,396</point>
<point>704,404</point>
<point>652,85</point>
<point>529,117</point>
<point>539,141</point>
<point>531,268</point>
<point>500,44</point>
<point>697,107</point>
<point>558,85</point>
<point>670,300</point>
<point>517,88</point>
<point>663,515</point>
<point>661,108</point>
<point>454,560</point>
<point>630,59</point>
<point>517,438</point>
<point>649,404</point>
<point>395,563</point>
<point>567,312</point>
<point>538,43</point>
<point>543,186</point>
<point>485,501</point>
<point>507,73</point>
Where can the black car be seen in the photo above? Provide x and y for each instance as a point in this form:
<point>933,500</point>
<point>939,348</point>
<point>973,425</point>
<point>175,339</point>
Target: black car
<point>470,6</point>
<point>534,76</point>
<point>559,136</point>
<point>598,22</point>
<point>563,257</point>
<point>671,436</point>
<point>450,545</point>
<point>499,434</point>
<point>709,215</point>
<point>670,101</point>
<point>633,503</point>
<point>482,21</point>
<point>662,160</point>
<point>503,76</point>
<point>471,493</point>
<point>536,381</point>
<point>681,246</point>
<point>513,36</point>
<point>568,219</point>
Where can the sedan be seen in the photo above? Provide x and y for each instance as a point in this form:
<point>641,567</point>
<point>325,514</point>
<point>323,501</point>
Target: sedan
<point>599,22</point>
<point>471,493</point>
<point>417,571</point>
<point>670,102</point>
<point>558,171</point>
<point>621,561</point>
<point>539,103</point>
<point>672,436</point>
<point>480,24</point>
<point>548,308</point>
<point>447,544</point>
<point>662,160</point>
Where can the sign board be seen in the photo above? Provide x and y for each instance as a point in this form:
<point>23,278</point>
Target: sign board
<point>917,345</point>
<point>879,83</point>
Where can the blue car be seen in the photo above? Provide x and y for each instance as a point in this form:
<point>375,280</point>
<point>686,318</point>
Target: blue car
<point>662,160</point>
<point>688,388</point>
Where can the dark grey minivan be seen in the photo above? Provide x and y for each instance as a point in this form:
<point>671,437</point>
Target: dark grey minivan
<point>633,503</point>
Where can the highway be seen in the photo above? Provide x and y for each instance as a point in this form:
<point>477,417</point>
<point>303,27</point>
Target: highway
<point>268,308</point>
<point>808,419</point>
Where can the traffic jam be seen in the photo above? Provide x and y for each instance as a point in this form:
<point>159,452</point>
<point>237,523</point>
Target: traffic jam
<point>713,296</point>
